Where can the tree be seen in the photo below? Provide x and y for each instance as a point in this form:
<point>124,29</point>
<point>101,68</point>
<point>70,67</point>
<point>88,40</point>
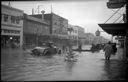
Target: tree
<point>70,30</point>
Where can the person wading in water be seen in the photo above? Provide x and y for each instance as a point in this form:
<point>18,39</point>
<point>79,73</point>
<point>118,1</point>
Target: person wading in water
<point>108,50</point>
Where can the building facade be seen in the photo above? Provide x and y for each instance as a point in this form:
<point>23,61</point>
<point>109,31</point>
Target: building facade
<point>58,28</point>
<point>73,32</point>
<point>80,32</point>
<point>58,24</point>
<point>11,26</point>
<point>34,30</point>
<point>118,28</point>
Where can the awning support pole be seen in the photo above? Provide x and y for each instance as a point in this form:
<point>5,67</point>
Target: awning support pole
<point>125,52</point>
<point>112,39</point>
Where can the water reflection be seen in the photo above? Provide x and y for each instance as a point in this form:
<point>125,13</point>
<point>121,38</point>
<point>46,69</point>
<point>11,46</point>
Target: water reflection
<point>25,67</point>
<point>69,67</point>
<point>116,69</point>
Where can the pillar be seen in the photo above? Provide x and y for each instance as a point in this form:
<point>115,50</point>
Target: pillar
<point>21,34</point>
<point>124,50</point>
<point>112,39</point>
<point>127,30</point>
<point>126,37</point>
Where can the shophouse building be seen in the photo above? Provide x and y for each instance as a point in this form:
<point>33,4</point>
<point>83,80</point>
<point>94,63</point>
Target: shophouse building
<point>81,34</point>
<point>73,32</point>
<point>58,27</point>
<point>118,29</point>
<point>80,31</point>
<point>58,24</point>
<point>11,26</point>
<point>35,30</point>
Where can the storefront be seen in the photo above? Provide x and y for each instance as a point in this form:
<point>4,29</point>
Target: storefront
<point>11,26</point>
<point>118,29</point>
<point>7,41</point>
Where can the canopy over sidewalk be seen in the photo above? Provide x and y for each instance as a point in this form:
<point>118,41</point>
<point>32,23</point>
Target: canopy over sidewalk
<point>116,29</point>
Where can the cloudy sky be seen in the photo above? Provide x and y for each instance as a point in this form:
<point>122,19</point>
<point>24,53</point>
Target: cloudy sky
<point>85,13</point>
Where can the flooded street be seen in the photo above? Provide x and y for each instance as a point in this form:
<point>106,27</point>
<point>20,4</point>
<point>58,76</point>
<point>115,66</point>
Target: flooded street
<point>59,40</point>
<point>21,66</point>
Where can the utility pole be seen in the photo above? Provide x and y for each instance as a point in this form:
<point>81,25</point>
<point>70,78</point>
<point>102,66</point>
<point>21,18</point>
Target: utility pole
<point>51,29</point>
<point>32,11</point>
<point>38,9</point>
<point>112,39</point>
<point>51,9</point>
<point>9,4</point>
<point>37,36</point>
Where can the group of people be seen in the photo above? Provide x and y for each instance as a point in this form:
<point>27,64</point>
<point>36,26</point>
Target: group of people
<point>68,50</point>
<point>10,44</point>
<point>109,49</point>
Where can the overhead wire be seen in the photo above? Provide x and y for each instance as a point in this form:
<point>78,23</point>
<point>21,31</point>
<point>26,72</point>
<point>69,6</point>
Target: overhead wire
<point>112,15</point>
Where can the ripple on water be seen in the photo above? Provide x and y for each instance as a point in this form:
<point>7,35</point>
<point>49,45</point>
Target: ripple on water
<point>90,66</point>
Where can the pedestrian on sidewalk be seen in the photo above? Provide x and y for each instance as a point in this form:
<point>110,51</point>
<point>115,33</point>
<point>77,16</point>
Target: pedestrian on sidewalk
<point>114,49</point>
<point>108,50</point>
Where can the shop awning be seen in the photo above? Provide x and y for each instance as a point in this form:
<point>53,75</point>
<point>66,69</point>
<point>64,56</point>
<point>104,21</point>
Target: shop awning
<point>116,29</point>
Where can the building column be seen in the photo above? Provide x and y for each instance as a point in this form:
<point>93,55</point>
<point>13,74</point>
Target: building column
<point>124,50</point>
<point>127,45</point>
<point>21,34</point>
<point>126,37</point>
<point>112,39</point>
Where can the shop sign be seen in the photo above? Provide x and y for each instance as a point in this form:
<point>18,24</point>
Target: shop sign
<point>97,33</point>
<point>116,3</point>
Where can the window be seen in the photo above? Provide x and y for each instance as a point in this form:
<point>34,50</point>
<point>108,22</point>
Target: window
<point>9,31</point>
<point>13,19</point>
<point>17,21</point>
<point>14,31</point>
<point>2,17</point>
<point>5,18</point>
<point>55,23</point>
<point>5,31</point>
<point>18,32</point>
<point>75,31</point>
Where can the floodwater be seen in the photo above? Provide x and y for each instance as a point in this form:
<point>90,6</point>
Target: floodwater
<point>17,65</point>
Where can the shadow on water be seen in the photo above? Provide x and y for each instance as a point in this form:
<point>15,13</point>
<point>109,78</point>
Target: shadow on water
<point>116,69</point>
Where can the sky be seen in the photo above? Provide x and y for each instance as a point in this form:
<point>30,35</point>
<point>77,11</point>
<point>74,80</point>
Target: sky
<point>85,13</point>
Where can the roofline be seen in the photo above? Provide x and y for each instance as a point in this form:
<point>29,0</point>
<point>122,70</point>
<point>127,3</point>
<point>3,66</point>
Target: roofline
<point>60,16</point>
<point>35,19</point>
<point>53,14</point>
<point>12,8</point>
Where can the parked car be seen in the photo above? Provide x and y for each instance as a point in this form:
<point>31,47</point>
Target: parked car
<point>45,48</point>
